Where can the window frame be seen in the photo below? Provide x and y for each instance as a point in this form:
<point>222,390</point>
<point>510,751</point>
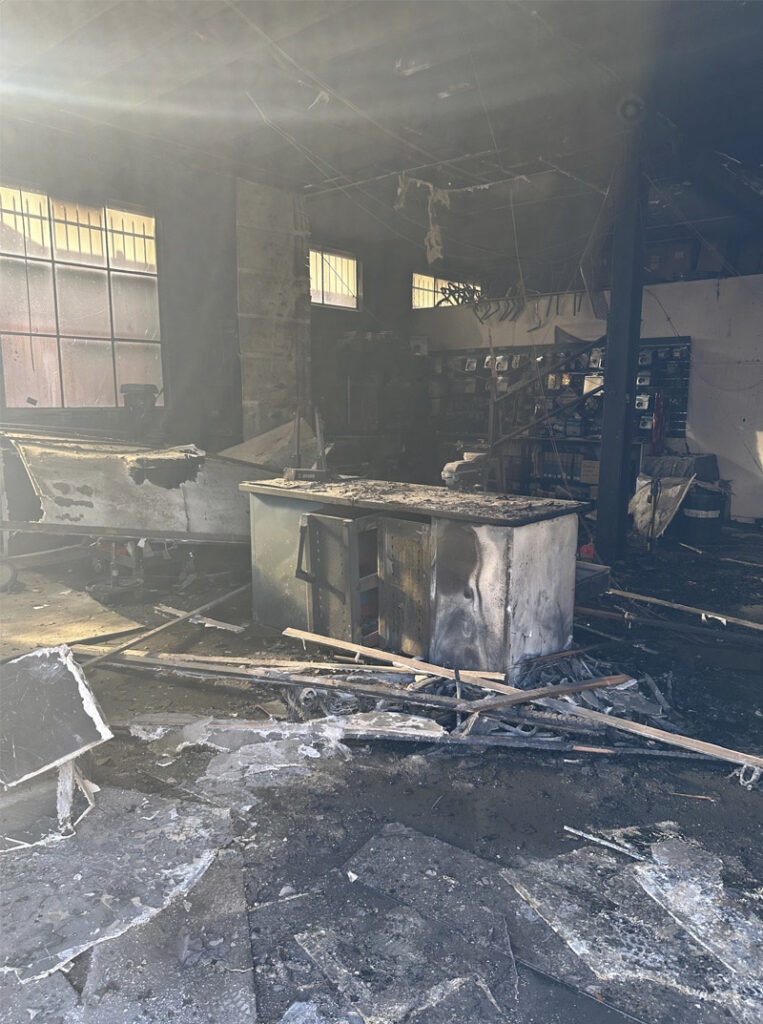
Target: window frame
<point>109,267</point>
<point>323,250</point>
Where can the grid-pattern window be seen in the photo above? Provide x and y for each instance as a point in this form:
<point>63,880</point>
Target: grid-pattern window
<point>79,309</point>
<point>334,279</point>
<point>429,291</point>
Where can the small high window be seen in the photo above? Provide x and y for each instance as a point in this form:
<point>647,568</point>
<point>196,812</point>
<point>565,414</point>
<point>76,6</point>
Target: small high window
<point>438,291</point>
<point>79,308</point>
<point>334,279</point>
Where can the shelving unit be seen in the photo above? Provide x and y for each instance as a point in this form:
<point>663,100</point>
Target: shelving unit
<point>546,388</point>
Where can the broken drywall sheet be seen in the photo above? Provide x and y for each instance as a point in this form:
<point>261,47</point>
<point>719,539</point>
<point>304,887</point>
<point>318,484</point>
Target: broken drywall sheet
<point>256,755</point>
<point>276,448</point>
<point>689,883</point>
<point>593,899</point>
<point>395,965</point>
<point>46,808</point>
<point>169,733</point>
<point>49,1001</point>
<point>129,858</point>
<point>50,714</point>
<point>451,886</point>
<point>359,955</point>
<point>190,964</point>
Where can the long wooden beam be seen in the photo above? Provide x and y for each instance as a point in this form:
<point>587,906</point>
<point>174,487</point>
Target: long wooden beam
<point>689,609</point>
<point>623,724</point>
<point>290,674</point>
<point>486,682</point>
<point>168,625</point>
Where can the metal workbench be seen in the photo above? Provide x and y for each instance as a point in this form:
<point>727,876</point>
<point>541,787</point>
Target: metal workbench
<point>469,580</point>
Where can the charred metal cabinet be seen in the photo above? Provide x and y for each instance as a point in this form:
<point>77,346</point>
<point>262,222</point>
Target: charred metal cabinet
<point>501,594</point>
<point>472,581</point>
<point>340,553</point>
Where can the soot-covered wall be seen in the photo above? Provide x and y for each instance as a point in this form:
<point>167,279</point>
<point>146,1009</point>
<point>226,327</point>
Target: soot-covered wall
<point>194,207</point>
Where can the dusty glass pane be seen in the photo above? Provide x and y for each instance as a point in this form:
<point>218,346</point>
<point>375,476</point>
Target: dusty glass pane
<point>135,305</point>
<point>138,363</point>
<point>83,302</point>
<point>422,299</point>
<point>11,221</point>
<point>424,282</point>
<point>36,224</point>
<point>78,232</point>
<point>24,228</point>
<point>88,372</point>
<point>26,297</point>
<point>132,243</point>
<point>30,372</point>
<point>339,281</point>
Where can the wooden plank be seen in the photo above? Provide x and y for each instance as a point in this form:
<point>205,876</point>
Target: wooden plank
<point>199,620</point>
<point>421,667</point>
<point>623,724</point>
<point>674,739</point>
<point>168,625</point>
<point>689,609</point>
<point>497,703</point>
<point>263,674</point>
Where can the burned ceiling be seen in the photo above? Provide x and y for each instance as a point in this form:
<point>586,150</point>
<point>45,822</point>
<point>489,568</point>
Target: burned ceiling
<point>514,108</point>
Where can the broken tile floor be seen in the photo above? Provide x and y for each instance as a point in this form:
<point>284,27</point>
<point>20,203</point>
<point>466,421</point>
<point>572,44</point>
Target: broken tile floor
<point>294,878</point>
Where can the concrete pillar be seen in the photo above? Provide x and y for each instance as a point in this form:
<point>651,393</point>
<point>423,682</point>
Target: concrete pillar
<point>273,305</point>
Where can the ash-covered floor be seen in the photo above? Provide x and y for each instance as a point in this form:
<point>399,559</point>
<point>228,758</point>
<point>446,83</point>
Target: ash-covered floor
<point>294,876</point>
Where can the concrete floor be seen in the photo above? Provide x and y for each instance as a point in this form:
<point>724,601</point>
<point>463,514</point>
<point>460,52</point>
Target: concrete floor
<point>297,833</point>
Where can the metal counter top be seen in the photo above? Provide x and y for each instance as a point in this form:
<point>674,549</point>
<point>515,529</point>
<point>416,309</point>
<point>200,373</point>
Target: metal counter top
<point>418,499</point>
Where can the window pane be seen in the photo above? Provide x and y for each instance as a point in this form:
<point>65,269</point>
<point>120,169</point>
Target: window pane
<point>88,372</point>
<point>83,302</point>
<point>36,224</point>
<point>423,281</point>
<point>78,232</point>
<point>131,240</point>
<point>135,306</point>
<point>333,279</point>
<point>26,297</point>
<point>11,221</point>
<point>24,225</point>
<point>138,363</point>
<point>422,299</point>
<point>30,371</point>
<point>339,281</point>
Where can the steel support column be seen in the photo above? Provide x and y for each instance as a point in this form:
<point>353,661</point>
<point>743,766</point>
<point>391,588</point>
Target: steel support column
<point>623,333</point>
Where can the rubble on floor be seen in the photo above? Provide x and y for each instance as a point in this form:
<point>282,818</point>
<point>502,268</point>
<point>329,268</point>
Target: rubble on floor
<point>248,870</point>
<point>189,964</point>
<point>49,718</point>
<point>131,856</point>
<point>50,714</point>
